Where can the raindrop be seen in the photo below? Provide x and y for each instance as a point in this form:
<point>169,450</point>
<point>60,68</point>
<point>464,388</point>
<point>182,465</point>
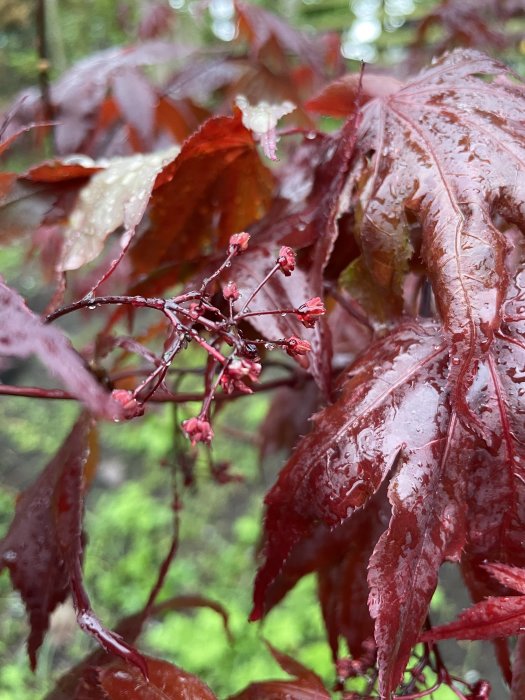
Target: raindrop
<point>269,346</point>
<point>9,556</point>
<point>456,361</point>
<point>228,263</point>
<point>311,135</point>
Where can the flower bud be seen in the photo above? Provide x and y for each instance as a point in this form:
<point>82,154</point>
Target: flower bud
<point>132,408</point>
<point>238,243</point>
<point>296,346</point>
<point>308,312</point>
<point>198,430</point>
<point>286,260</point>
<point>230,291</point>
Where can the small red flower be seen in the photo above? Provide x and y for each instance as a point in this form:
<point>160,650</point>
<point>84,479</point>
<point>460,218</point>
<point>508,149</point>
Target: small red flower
<point>237,372</point>
<point>308,312</point>
<point>132,408</point>
<point>286,260</point>
<point>230,291</point>
<point>238,243</point>
<point>198,430</point>
<point>296,346</point>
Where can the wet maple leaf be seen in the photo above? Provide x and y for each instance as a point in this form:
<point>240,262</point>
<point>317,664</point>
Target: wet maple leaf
<point>494,617</point>
<point>393,419</point>
<point>122,682</point>
<point>447,148</point>
<point>117,196</point>
<point>24,334</point>
<point>46,523</point>
<point>216,186</point>
<point>305,686</point>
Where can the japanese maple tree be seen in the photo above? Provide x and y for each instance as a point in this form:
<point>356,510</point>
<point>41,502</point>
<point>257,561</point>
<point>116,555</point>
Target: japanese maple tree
<point>384,260</point>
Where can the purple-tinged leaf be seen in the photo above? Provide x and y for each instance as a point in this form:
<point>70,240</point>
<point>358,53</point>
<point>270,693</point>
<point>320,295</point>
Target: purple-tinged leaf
<point>448,149</point>
<point>23,333</point>
<point>46,523</point>
<point>137,100</point>
<point>354,442</point>
<point>306,686</point>
<point>427,527</point>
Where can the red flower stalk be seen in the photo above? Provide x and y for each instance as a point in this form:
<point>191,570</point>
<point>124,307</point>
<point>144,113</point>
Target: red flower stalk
<point>198,430</point>
<point>230,291</point>
<point>308,312</point>
<point>238,243</point>
<point>296,346</point>
<point>286,260</point>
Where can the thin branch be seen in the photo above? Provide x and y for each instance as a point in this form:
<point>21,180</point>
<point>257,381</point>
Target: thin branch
<point>34,392</point>
<point>43,60</point>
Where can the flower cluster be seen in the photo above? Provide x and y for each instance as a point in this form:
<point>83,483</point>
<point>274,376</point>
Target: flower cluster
<point>309,312</point>
<point>198,430</point>
<point>237,372</point>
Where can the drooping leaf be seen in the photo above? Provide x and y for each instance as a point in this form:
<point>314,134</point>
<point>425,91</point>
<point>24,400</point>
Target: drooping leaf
<point>340,557</point>
<point>46,521</point>
<point>307,684</point>
<point>216,186</point>
<point>448,491</point>
<point>448,148</point>
<point>23,334</point>
<point>354,443</point>
<point>494,617</point>
<point>117,196</point>
<point>165,682</point>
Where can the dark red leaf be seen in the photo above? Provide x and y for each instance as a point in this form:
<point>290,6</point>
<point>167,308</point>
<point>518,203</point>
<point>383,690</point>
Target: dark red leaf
<point>166,681</point>
<point>306,686</point>
<point>45,525</point>
<point>354,443</point>
<point>339,99</point>
<point>446,147</point>
<point>23,334</point>
<point>340,557</point>
<point>215,187</point>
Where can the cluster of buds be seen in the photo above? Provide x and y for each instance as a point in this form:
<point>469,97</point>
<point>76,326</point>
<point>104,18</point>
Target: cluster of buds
<point>242,369</point>
<point>131,408</point>
<point>238,243</point>
<point>237,372</point>
<point>309,312</point>
<point>230,291</point>
<point>286,260</point>
<point>198,430</point>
